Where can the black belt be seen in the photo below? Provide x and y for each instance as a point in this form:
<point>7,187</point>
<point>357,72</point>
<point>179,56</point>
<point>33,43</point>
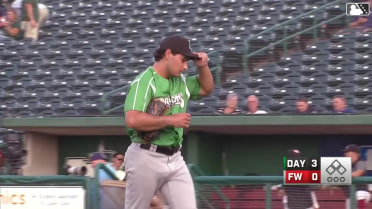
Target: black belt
<point>166,150</point>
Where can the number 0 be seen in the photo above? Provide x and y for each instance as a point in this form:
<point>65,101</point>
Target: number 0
<point>314,163</point>
<point>314,176</point>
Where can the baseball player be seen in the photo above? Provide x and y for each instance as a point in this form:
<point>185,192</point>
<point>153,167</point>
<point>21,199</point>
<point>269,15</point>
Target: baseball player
<point>359,168</point>
<point>156,104</point>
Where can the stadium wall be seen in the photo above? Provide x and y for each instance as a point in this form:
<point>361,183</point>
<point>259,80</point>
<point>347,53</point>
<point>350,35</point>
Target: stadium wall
<point>42,154</point>
<point>242,154</point>
<point>224,154</point>
<point>217,144</point>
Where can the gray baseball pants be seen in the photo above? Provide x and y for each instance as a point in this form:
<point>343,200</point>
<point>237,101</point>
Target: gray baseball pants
<point>149,173</point>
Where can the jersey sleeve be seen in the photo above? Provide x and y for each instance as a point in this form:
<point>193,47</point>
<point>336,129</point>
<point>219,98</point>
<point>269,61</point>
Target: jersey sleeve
<point>139,95</point>
<point>361,165</point>
<point>194,87</point>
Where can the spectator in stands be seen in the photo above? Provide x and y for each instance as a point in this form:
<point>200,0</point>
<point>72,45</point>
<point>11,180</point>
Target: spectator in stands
<point>117,160</point>
<point>2,13</point>
<point>12,26</point>
<point>30,17</point>
<point>2,25</point>
<point>359,168</point>
<point>232,101</point>
<point>100,158</point>
<point>95,159</point>
<point>340,106</point>
<point>17,6</point>
<point>303,107</point>
<point>118,164</point>
<point>44,14</point>
<point>43,10</point>
<point>33,15</point>
<point>3,169</point>
<point>362,22</point>
<point>253,103</point>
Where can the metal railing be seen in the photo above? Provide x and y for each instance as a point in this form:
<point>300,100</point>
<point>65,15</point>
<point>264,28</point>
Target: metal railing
<point>195,172</point>
<point>216,182</point>
<point>247,55</point>
<point>96,189</point>
<point>214,57</point>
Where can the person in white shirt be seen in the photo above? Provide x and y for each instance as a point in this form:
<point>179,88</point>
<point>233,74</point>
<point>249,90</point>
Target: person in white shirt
<point>118,164</point>
<point>117,161</point>
<point>253,103</point>
<point>20,6</point>
<point>17,6</point>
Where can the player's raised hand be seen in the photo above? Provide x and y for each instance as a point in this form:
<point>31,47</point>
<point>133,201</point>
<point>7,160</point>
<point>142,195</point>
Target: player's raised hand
<point>203,61</point>
<point>181,120</point>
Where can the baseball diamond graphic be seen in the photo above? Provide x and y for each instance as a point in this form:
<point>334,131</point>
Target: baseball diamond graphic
<point>336,166</point>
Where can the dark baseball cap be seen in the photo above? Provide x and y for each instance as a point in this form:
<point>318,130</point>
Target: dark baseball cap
<point>179,45</point>
<point>352,148</point>
<point>98,156</point>
<point>293,152</point>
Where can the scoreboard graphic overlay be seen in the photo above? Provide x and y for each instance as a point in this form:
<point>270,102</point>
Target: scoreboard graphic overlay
<point>318,170</point>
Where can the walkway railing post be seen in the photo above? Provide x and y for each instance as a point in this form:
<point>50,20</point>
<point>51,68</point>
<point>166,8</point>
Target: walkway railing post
<point>268,196</point>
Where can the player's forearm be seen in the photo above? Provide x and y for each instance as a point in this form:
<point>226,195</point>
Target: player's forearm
<point>357,173</point>
<point>30,12</point>
<point>205,80</point>
<point>144,122</point>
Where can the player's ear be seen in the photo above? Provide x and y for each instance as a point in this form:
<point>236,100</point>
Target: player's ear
<point>168,54</point>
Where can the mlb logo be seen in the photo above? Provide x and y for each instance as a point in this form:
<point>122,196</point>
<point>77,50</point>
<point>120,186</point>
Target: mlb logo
<point>357,9</point>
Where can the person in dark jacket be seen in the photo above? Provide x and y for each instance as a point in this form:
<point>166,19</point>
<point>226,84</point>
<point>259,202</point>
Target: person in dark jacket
<point>303,107</point>
<point>340,106</point>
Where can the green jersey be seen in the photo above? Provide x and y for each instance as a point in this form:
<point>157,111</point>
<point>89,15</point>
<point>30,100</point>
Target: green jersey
<point>175,92</point>
<point>35,10</point>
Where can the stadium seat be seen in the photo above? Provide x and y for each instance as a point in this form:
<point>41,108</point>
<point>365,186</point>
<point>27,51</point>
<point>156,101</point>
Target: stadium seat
<point>92,47</point>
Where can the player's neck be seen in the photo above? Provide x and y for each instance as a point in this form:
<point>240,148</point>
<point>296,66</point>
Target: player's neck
<point>160,70</point>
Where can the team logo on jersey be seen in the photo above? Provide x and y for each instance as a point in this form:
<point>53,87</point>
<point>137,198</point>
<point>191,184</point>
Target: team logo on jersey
<point>176,99</point>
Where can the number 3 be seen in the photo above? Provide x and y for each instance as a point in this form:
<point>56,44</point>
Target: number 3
<point>314,161</point>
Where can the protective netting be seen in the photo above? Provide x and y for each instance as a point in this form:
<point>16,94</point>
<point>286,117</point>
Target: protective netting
<point>231,196</point>
<point>282,197</point>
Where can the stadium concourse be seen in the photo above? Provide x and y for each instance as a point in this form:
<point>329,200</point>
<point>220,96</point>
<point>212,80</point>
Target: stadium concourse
<point>58,90</point>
